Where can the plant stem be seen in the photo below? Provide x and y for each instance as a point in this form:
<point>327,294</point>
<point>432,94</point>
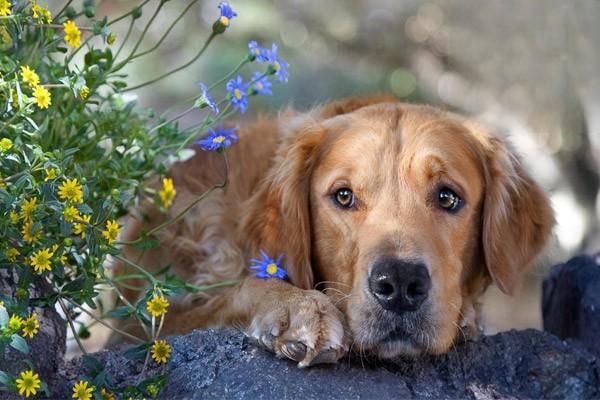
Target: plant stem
<point>129,29</point>
<point>104,323</point>
<point>62,10</point>
<point>229,75</point>
<point>190,62</point>
<point>175,118</point>
<point>70,321</point>
<point>164,36</point>
<point>177,217</point>
<point>139,268</point>
<point>114,21</point>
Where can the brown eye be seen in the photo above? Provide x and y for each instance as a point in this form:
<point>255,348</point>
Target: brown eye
<point>344,198</point>
<point>448,200</point>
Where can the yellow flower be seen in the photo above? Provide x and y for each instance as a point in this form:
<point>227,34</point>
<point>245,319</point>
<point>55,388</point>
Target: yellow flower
<point>106,395</point>
<point>168,192</point>
<point>50,174</point>
<point>11,254</point>
<point>31,326</point>
<point>84,92</point>
<point>28,383</point>
<point>81,391</point>
<point>5,36</point>
<point>40,14</point>
<point>161,351</point>
<point>111,39</point>
<point>72,33</point>
<point>40,260</point>
<point>63,258</point>
<point>112,231</point>
<point>29,76</point>
<point>5,8</point>
<point>152,390</point>
<point>157,306</point>
<point>5,144</point>
<point>71,190</point>
<point>42,97</point>
<point>14,323</point>
<point>28,208</point>
<point>14,217</point>
<point>79,228</point>
<point>70,213</point>
<point>28,233</point>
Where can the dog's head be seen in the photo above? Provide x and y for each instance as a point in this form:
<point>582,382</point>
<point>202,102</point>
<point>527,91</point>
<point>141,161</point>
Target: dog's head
<point>403,214</point>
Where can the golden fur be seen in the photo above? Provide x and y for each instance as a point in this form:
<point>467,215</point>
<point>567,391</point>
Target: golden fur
<point>278,198</point>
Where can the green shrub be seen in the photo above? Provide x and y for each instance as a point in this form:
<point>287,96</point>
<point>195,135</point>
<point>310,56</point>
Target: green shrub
<point>75,154</point>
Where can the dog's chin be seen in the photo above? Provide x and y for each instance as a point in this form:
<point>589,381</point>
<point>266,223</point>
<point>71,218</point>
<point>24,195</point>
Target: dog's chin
<point>397,343</point>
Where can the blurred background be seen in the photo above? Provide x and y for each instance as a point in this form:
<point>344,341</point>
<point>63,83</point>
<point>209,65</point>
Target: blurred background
<point>529,69</point>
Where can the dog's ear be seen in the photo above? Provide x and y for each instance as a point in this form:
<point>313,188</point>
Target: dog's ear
<point>517,216</point>
<point>278,215</point>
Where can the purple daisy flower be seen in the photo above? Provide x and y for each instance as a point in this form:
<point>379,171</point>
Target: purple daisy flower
<point>218,139</point>
<point>268,268</point>
<point>257,53</point>
<point>227,13</point>
<point>261,84</point>
<point>205,99</point>
<point>278,64</point>
<point>238,92</point>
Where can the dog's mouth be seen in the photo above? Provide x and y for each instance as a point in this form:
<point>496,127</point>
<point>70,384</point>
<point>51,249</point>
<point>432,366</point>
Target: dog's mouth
<point>398,342</point>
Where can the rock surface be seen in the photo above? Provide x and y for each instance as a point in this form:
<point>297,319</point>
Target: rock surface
<point>46,348</point>
<point>223,364</point>
<point>571,301</point>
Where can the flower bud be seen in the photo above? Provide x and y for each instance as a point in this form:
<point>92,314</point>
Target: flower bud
<point>137,12</point>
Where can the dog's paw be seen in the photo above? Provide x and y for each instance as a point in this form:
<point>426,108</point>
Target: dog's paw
<point>305,327</point>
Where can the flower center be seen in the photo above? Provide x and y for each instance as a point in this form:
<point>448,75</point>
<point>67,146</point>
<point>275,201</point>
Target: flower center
<point>271,269</point>
<point>237,93</point>
<point>219,139</point>
<point>259,85</point>
<point>224,20</point>
<point>276,66</point>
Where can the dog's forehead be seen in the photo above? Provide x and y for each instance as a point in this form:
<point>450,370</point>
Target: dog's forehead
<point>391,129</point>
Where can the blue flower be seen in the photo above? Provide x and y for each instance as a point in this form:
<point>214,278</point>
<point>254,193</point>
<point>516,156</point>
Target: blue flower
<point>267,268</point>
<point>238,91</point>
<point>278,65</point>
<point>205,99</point>
<point>261,84</point>
<point>258,53</point>
<point>218,139</point>
<point>227,13</point>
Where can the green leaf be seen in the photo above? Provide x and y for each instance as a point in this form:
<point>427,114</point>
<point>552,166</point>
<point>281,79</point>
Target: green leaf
<point>137,352</point>
<point>5,378</point>
<point>18,343</point>
<point>3,317</point>
<point>146,244</point>
<point>92,365</point>
<point>123,312</point>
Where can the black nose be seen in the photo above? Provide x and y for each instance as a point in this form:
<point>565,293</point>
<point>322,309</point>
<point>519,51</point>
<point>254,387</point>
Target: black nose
<point>399,285</point>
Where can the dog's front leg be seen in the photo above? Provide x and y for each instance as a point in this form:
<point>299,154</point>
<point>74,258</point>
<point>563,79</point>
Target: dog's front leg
<point>303,325</point>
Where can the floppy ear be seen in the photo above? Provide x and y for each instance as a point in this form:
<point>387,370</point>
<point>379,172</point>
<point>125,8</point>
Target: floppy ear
<point>278,217</point>
<point>517,216</point>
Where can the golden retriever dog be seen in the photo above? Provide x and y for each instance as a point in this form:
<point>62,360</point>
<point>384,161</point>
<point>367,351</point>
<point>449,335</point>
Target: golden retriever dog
<point>391,218</point>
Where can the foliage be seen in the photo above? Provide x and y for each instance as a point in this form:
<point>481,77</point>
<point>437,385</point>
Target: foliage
<point>75,153</point>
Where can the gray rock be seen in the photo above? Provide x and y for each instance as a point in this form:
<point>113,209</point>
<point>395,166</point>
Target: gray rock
<point>571,301</point>
<point>223,364</point>
<point>46,348</point>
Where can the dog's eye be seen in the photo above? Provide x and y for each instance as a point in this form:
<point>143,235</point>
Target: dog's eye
<point>344,198</point>
<point>448,200</point>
